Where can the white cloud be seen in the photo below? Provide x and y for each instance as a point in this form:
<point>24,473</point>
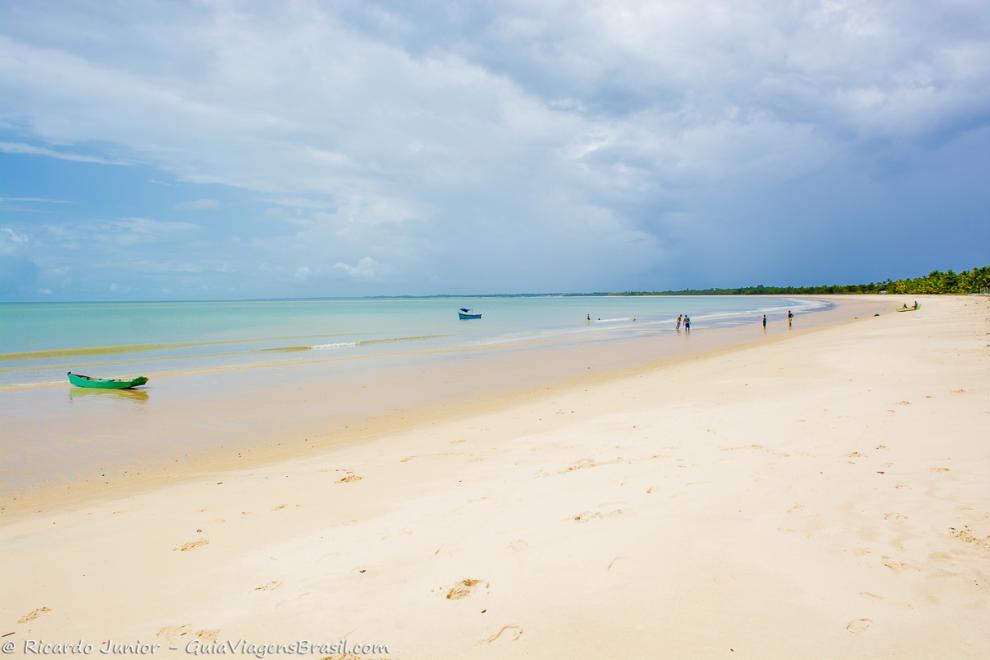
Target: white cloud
<point>31,150</point>
<point>10,240</point>
<point>365,268</point>
<point>122,232</point>
<point>130,231</point>
<point>32,200</point>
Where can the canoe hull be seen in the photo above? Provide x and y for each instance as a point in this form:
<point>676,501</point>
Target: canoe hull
<point>105,383</point>
<point>464,317</point>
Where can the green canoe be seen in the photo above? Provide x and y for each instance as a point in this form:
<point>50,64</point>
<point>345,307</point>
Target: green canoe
<point>106,383</point>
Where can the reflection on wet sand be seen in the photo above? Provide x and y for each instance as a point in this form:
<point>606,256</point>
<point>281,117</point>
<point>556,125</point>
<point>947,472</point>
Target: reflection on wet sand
<point>133,395</point>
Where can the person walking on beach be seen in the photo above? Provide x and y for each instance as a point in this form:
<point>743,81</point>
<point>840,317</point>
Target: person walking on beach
<point>764,323</point>
<point>680,319</point>
<point>790,319</point>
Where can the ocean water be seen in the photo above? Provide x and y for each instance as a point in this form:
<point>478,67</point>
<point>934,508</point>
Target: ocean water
<point>39,342</point>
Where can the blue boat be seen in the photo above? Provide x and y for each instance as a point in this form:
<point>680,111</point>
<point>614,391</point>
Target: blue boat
<point>465,313</point>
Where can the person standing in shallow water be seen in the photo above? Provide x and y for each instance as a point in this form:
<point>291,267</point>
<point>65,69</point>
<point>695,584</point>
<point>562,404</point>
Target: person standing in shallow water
<point>764,323</point>
<point>790,319</point>
<point>680,318</point>
<point>687,323</point>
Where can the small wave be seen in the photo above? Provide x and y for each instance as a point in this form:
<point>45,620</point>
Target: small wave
<point>347,344</point>
<point>392,340</point>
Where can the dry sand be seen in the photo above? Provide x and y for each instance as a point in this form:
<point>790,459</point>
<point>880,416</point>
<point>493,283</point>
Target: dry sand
<point>823,496</point>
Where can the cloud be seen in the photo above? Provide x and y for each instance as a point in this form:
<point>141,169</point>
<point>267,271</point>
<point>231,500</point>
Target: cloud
<point>198,205</point>
<point>131,231</point>
<point>10,240</point>
<point>366,268</point>
<point>31,150</point>
<point>32,200</point>
<point>119,233</point>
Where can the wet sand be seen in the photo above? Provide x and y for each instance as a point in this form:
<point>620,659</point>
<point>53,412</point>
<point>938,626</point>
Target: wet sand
<point>820,495</point>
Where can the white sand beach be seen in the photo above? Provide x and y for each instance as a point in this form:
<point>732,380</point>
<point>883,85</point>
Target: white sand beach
<point>825,494</point>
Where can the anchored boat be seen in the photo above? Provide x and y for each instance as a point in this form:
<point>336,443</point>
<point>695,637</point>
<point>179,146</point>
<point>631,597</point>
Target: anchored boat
<point>465,313</point>
<point>106,383</point>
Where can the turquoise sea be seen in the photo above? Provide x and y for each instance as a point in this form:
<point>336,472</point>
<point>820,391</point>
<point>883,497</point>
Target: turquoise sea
<point>39,342</point>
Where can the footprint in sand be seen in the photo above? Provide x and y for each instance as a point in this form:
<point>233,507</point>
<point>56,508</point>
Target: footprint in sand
<point>857,626</point>
<point>580,464</point>
<point>596,515</point>
<point>519,545</point>
<point>34,614</point>
<point>516,633</point>
<point>279,507</point>
<point>462,589</point>
<point>190,545</point>
<point>966,536</point>
<point>855,454</point>
<point>270,586</point>
<point>941,469</point>
<point>349,479</point>
<point>171,634</point>
<point>585,463</point>
<point>895,565</point>
<point>896,517</point>
<point>207,635</point>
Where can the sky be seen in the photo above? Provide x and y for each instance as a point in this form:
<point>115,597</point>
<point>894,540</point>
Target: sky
<point>213,150</point>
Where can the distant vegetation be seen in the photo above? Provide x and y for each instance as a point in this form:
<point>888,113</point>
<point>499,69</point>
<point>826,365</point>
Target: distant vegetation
<point>968,281</point>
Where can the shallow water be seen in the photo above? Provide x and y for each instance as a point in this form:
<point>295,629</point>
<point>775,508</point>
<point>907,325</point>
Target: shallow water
<point>39,342</point>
